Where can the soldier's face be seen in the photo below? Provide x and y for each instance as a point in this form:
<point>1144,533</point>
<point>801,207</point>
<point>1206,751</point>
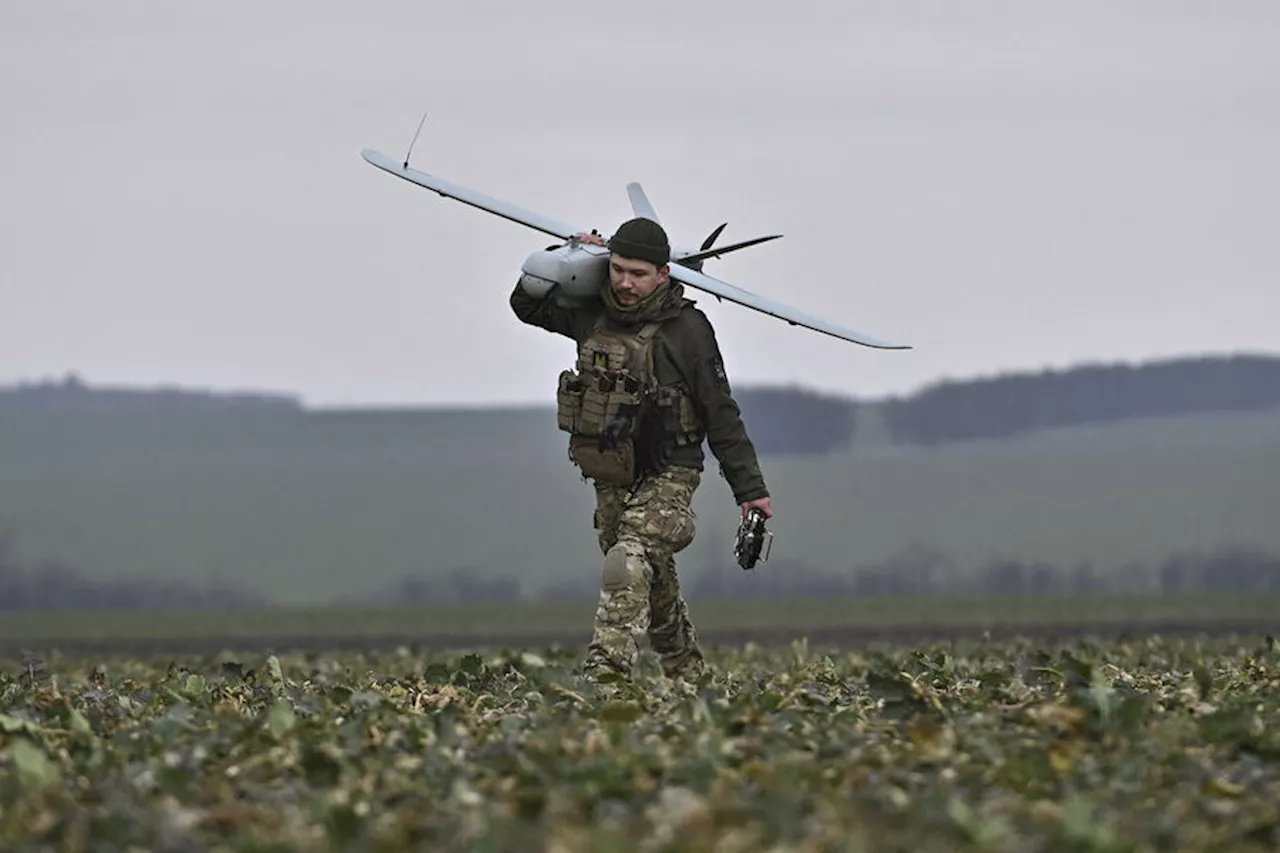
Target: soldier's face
<point>633,280</point>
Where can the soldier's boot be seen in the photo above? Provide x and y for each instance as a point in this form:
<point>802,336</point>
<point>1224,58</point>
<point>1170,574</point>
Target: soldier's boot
<point>622,616</point>
<point>671,631</point>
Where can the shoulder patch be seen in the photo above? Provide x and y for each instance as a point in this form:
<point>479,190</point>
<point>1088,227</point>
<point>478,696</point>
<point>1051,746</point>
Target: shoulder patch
<point>717,366</point>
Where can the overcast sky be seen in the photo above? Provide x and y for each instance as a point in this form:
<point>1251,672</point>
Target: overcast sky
<point>1004,186</point>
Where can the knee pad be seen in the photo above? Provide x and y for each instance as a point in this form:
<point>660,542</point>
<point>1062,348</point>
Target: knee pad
<point>616,574</point>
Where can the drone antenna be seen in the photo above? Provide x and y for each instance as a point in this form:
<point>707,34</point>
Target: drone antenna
<point>415,139</point>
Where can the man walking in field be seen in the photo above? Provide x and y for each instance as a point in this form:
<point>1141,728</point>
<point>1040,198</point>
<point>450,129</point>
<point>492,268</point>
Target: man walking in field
<point>648,388</point>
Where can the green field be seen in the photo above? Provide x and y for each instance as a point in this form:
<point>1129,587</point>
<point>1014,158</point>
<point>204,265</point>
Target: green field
<point>305,508</point>
<point>1079,745</point>
<point>568,623</point>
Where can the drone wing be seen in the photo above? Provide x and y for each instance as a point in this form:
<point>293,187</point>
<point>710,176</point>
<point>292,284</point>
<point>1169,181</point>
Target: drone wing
<point>724,290</point>
<point>506,210</point>
<point>640,203</point>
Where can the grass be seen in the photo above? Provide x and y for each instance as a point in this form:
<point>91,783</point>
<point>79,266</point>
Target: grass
<point>1078,745</point>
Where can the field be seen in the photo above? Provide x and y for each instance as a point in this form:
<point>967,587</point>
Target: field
<point>568,623</point>
<point>311,507</point>
<point>1116,722</point>
<point>1138,744</point>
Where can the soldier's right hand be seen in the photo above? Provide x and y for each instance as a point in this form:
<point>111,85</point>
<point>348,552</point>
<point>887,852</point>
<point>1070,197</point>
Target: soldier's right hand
<point>765,505</point>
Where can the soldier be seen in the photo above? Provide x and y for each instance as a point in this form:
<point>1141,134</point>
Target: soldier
<point>650,385</point>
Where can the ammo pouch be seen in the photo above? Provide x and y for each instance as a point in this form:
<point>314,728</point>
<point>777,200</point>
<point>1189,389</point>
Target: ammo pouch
<point>615,466</point>
<point>598,405</point>
<point>679,417</point>
<point>568,401</point>
<point>600,415</point>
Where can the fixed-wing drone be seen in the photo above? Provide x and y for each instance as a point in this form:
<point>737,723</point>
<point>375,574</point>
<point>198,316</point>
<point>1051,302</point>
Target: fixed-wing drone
<point>579,269</point>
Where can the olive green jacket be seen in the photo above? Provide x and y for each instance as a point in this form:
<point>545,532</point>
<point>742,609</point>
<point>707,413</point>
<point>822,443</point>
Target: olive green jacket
<point>685,355</point>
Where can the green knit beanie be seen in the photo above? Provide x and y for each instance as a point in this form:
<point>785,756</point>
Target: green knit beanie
<point>643,240</point>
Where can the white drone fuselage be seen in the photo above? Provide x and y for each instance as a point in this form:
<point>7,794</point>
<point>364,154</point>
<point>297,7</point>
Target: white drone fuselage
<point>575,270</point>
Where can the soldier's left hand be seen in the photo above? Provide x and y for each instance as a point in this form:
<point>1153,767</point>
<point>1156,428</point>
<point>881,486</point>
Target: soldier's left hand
<point>593,238</point>
<point>763,504</point>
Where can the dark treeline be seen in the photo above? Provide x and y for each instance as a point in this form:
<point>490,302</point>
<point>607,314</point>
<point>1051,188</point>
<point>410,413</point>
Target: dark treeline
<point>1019,403</point>
<point>793,421</point>
<point>927,573</point>
<point>463,585</point>
<point>71,394</point>
<point>920,572</point>
<point>796,422</point>
<point>55,587</point>
<point>51,585</point>
<point>788,421</point>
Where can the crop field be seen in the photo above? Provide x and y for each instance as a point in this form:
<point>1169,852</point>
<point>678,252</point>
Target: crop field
<point>840,620</point>
<point>1021,744</point>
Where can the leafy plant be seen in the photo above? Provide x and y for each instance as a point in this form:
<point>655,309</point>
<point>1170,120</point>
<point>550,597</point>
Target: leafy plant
<point>1012,746</point>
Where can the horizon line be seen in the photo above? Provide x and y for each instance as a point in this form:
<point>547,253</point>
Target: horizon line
<point>72,380</point>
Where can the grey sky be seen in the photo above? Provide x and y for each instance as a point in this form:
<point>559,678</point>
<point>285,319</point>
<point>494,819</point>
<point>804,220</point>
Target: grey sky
<point>1002,185</point>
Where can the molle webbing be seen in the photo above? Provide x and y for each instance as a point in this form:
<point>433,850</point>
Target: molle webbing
<point>616,371</point>
<point>600,403</point>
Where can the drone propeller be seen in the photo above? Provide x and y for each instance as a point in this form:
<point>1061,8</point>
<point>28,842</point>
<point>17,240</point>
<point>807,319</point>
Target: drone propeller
<point>706,252</point>
<point>706,244</point>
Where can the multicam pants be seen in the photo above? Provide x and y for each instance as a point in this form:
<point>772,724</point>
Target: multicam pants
<point>639,591</point>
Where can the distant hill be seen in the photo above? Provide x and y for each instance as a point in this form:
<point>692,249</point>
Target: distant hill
<point>782,420</point>
<point>796,421</point>
<point>1020,403</point>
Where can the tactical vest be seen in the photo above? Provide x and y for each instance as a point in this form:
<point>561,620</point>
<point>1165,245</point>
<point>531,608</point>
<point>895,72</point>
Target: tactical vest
<point>600,404</point>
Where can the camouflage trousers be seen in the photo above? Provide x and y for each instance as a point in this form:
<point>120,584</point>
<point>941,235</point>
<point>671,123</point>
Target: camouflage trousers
<point>640,594</point>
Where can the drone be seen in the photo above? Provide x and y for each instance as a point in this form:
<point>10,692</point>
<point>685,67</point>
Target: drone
<point>576,270</point>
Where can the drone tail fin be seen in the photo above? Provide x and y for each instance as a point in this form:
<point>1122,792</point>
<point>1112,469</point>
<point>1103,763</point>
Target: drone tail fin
<point>640,202</point>
<point>641,206</point>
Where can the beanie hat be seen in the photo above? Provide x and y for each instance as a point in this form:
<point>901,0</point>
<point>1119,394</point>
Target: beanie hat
<point>642,239</point>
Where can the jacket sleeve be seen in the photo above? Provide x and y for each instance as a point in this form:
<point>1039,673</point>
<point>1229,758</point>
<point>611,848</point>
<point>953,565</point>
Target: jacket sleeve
<point>713,397</point>
<point>547,313</point>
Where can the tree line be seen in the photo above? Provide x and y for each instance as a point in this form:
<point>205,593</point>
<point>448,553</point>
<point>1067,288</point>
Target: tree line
<point>51,586</point>
<point>72,394</point>
<point>923,573</point>
<point>796,421</point>
<point>792,421</point>
<point>1014,404</point>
